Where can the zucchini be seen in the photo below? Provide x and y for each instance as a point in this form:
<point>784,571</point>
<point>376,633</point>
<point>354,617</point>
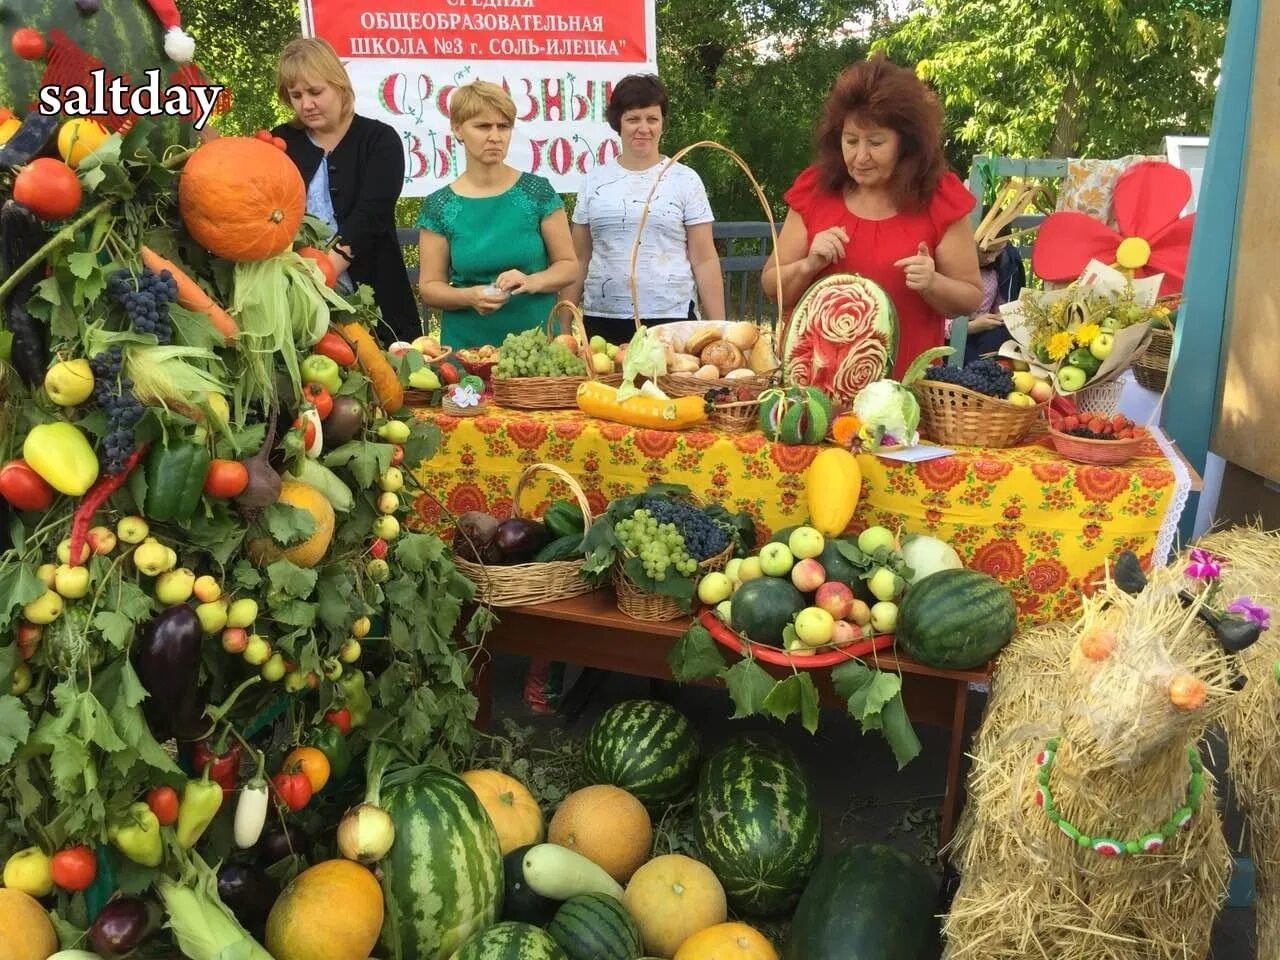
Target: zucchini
<point>316,475</point>
<point>559,873</point>
<point>563,548</point>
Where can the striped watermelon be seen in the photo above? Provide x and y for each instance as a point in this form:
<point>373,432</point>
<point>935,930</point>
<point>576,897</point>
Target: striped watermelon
<point>757,825</point>
<point>442,880</point>
<point>646,747</point>
<point>511,941</point>
<point>955,619</point>
<point>596,927</point>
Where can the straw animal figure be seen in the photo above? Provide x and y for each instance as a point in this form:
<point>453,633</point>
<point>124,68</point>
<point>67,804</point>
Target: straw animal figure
<point>1092,831</point>
<point>1251,567</point>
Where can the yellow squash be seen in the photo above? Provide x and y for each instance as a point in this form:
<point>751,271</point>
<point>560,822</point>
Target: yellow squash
<point>832,486</point>
<point>600,400</point>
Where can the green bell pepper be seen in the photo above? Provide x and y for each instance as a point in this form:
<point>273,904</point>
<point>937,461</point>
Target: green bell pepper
<point>356,696</point>
<point>333,745</point>
<point>175,481</point>
<point>137,835</point>
<point>201,800</point>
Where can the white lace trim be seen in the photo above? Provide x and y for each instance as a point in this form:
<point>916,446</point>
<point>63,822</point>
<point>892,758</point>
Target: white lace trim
<point>1166,538</point>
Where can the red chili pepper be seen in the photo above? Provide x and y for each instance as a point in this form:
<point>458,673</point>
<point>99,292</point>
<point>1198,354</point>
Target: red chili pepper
<point>221,766</point>
<point>96,497</point>
<point>340,719</point>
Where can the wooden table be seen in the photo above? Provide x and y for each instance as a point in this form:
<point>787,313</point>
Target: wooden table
<point>590,631</point>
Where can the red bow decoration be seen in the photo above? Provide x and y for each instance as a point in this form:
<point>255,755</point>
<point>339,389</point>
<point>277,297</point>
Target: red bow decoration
<point>1152,236</point>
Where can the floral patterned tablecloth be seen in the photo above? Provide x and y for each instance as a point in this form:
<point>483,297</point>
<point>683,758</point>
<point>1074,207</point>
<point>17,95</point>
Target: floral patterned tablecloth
<point>1040,524</point>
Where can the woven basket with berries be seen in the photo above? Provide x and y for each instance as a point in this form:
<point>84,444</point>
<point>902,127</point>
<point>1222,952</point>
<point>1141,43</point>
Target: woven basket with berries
<point>734,409</point>
<point>1096,438</point>
<point>976,405</point>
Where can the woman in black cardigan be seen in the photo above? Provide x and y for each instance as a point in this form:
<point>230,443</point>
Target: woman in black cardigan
<point>353,167</point>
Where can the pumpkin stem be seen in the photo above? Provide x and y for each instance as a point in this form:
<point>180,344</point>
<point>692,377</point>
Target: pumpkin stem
<point>276,215</point>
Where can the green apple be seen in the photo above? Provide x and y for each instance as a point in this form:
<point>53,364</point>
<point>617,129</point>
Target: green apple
<point>1021,365</point>
<point>814,626</point>
<point>1071,379</point>
<point>873,538</point>
<point>388,502</point>
<point>714,588</point>
<point>1108,324</point>
<point>1023,381</point>
<point>598,344</point>
<point>386,527</point>
<point>883,584</point>
<point>242,613</point>
<point>322,370</point>
<point>731,570</point>
<point>72,582</point>
<point>69,382</point>
<point>392,480</point>
<point>151,557</point>
<point>1020,399</point>
<point>806,542</point>
<point>132,529</point>
<point>724,610</point>
<point>424,379</point>
<point>750,569</point>
<point>349,652</point>
<point>176,586</point>
<point>379,570</point>
<point>273,670</point>
<point>884,617</point>
<point>47,574</point>
<point>611,351</point>
<point>1101,345</point>
<point>776,559</point>
<point>257,650</point>
<point>212,616</point>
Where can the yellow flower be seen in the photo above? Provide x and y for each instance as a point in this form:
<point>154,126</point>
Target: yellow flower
<point>1059,345</point>
<point>1086,334</point>
<point>1057,309</point>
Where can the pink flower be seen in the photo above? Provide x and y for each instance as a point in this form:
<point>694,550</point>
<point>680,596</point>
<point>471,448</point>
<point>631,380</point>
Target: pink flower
<point>1246,608</point>
<point>1204,565</point>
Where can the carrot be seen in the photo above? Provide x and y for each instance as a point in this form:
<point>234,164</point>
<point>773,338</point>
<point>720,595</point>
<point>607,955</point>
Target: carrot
<point>191,295</point>
<point>385,382</point>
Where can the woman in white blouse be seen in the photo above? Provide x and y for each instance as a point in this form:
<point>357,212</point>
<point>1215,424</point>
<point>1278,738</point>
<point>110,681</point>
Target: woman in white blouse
<point>677,259</point>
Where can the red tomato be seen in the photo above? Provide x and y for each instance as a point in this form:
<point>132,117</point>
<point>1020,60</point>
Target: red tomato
<point>226,479</point>
<point>448,374</point>
<point>319,397</point>
<point>48,188</point>
<point>163,802</point>
<point>323,262</point>
<point>73,868</point>
<point>23,487</point>
<point>397,454</point>
<point>308,431</point>
<point>28,43</point>
<point>340,719</point>
<point>293,789</point>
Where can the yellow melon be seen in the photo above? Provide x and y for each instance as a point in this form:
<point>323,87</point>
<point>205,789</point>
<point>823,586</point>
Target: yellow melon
<point>671,898</point>
<point>332,910</point>
<point>727,941</point>
<point>308,552</point>
<point>25,930</point>
<point>607,825</point>
<point>515,814</point>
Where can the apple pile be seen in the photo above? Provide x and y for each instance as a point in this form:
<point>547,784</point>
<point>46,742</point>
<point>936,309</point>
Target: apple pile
<point>428,346</point>
<point>1099,426</point>
<point>834,615</point>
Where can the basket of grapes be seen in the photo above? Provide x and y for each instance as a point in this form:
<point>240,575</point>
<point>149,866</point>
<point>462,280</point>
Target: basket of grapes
<point>538,371</point>
<point>977,405</point>
<point>1097,438</point>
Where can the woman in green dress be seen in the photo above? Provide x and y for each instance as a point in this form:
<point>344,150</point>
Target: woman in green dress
<point>494,245</point>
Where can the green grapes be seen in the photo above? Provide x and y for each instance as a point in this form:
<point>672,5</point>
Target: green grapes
<point>659,546</point>
<point>528,354</point>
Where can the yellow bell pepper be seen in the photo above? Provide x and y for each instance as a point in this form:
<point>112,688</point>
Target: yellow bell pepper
<point>600,400</point>
<point>61,454</point>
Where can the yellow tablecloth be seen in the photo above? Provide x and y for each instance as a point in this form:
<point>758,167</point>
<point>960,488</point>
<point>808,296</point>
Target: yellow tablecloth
<point>1040,524</point>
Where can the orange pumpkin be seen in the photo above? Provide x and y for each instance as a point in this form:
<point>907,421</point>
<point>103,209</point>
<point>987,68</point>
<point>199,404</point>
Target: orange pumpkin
<point>241,199</point>
<point>515,814</point>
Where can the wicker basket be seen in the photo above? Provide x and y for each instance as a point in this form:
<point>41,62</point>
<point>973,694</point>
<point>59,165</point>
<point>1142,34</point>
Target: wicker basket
<point>527,583</point>
<point>687,385</point>
<point>453,410</point>
<point>741,416</point>
<point>1107,453</point>
<point>422,398</point>
<point>548,393</point>
<point>953,415</point>
<point>1152,368</point>
<point>1099,397</point>
<point>639,604</point>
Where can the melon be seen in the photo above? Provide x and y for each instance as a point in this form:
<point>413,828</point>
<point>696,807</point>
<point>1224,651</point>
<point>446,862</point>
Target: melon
<point>304,924</point>
<point>671,898</point>
<point>842,335</point>
<point>797,415</point>
<point>25,930</point>
<point>607,825</point>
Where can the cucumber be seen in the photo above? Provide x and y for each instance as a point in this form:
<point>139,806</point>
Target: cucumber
<point>563,548</point>
<point>316,475</point>
<point>559,873</point>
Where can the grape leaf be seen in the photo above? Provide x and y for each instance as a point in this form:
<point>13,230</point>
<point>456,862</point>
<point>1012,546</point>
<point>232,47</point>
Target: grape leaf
<point>133,602</point>
<point>366,461</point>
<point>416,551</point>
<point>808,703</point>
<point>15,726</point>
<point>18,585</point>
<point>115,628</point>
<point>897,730</point>
<point>82,264</point>
<point>424,440</point>
<point>784,699</point>
<point>288,524</point>
<point>695,656</point>
<point>96,726</point>
<point>749,686</point>
<point>287,579</point>
<point>296,613</point>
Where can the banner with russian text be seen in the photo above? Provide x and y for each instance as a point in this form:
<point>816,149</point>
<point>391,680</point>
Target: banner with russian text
<point>558,58</point>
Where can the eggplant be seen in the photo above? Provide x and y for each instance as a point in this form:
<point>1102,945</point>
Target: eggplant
<point>280,840</point>
<point>475,537</point>
<point>519,539</point>
<point>166,655</point>
<point>247,892</point>
<point>120,927</point>
<point>344,423</point>
<point>21,235</point>
<point>31,137</point>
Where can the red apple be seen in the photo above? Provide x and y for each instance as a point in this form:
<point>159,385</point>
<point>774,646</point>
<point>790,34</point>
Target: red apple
<point>844,632</point>
<point>570,342</point>
<point>836,598</point>
<point>808,575</point>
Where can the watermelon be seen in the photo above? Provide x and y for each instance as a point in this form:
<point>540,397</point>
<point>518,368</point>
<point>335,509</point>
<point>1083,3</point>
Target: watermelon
<point>842,335</point>
<point>646,747</point>
<point>758,825</point>
<point>519,901</point>
<point>596,927</point>
<point>836,566</point>
<point>511,941</point>
<point>797,415</point>
<point>442,880</point>
<point>762,608</point>
<point>867,901</point>
<point>955,619</point>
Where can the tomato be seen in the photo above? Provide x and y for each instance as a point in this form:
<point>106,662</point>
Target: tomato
<point>23,487</point>
<point>323,262</point>
<point>448,374</point>
<point>226,479</point>
<point>28,43</point>
<point>311,762</point>
<point>319,397</point>
<point>397,454</point>
<point>340,719</point>
<point>48,188</point>
<point>73,868</point>
<point>293,789</point>
<point>163,802</point>
<point>308,431</point>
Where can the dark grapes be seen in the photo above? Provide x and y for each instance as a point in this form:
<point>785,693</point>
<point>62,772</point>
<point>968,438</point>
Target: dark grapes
<point>703,537</point>
<point>983,375</point>
<point>114,393</point>
<point>146,300</point>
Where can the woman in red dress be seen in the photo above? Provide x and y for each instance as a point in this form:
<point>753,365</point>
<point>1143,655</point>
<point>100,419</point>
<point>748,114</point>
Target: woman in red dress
<point>879,201</point>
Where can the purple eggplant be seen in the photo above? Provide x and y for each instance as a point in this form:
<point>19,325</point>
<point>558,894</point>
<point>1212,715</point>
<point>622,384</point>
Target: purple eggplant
<point>280,840</point>
<point>247,892</point>
<point>120,927</point>
<point>166,655</point>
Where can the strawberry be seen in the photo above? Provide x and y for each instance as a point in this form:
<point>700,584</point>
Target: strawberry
<point>1070,423</point>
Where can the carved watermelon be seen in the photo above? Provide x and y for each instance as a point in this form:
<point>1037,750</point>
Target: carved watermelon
<point>842,335</point>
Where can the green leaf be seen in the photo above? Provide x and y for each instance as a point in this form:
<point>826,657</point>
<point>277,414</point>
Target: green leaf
<point>133,602</point>
<point>96,726</point>
<point>19,585</point>
<point>749,686</point>
<point>366,461</point>
<point>784,699</point>
<point>897,729</point>
<point>82,264</point>
<point>290,580</point>
<point>246,575</point>
<point>424,440</point>
<point>417,551</point>
<point>131,692</point>
<point>297,613</point>
<point>115,628</point>
<point>808,702</point>
<point>288,524</point>
<point>335,599</point>
<point>695,656</point>
<point>15,726</point>
<point>850,552</point>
